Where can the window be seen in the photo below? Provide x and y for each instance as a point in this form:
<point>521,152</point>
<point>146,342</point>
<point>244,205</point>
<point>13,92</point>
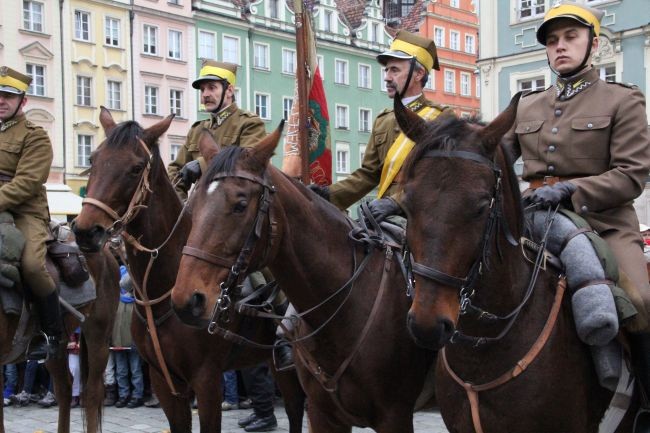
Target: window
<point>207,45</point>
<point>364,76</point>
<point>150,40</point>
<point>450,81</point>
<point>454,40</point>
<point>478,86</point>
<point>82,25</point>
<point>439,36</point>
<point>431,82</point>
<point>288,61</point>
<point>465,86</point>
<point>174,2</point>
<point>262,105</point>
<point>469,44</point>
<point>374,33</point>
<point>176,102</point>
<point>321,66</point>
<point>382,77</point>
<point>328,21</point>
<point>114,95</point>
<point>174,42</point>
<point>340,71</point>
<point>173,151</point>
<point>112,32</point>
<point>83,91</point>
<point>150,100</point>
<point>230,49</point>
<point>84,148</point>
<point>362,152</point>
<point>531,84</point>
<point>364,119</point>
<point>274,9</point>
<point>33,16</point>
<point>342,117</point>
<point>531,8</point>
<point>37,86</point>
<point>287,105</point>
<point>465,115</point>
<point>607,73</point>
<point>342,157</point>
<point>454,3</point>
<point>397,8</point>
<point>261,56</point>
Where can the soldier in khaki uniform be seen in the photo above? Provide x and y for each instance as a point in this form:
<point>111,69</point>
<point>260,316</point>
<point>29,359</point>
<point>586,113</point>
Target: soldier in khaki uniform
<point>585,144</point>
<point>407,63</point>
<point>25,159</point>
<point>229,125</point>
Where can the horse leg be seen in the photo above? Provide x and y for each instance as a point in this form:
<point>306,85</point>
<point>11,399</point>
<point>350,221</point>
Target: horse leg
<point>392,421</point>
<point>209,395</point>
<point>294,397</point>
<point>321,421</point>
<point>177,409</point>
<point>93,358</point>
<point>60,374</point>
<point>2,413</point>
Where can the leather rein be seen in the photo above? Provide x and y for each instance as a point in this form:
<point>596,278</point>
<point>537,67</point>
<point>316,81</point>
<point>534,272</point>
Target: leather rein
<point>118,229</point>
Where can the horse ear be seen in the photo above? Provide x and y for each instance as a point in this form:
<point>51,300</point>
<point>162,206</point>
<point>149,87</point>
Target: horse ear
<point>409,122</point>
<point>152,133</point>
<point>264,150</point>
<point>208,148</point>
<point>106,120</point>
<point>493,132</point>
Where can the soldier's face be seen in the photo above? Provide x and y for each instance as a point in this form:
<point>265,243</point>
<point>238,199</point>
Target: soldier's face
<point>397,72</point>
<point>567,43</point>
<point>9,102</point>
<point>211,94</point>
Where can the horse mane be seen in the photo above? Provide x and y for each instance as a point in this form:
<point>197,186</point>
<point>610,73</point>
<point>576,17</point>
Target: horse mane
<point>124,134</point>
<point>224,161</point>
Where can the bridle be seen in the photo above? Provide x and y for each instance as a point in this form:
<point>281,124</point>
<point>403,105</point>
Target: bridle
<point>238,267</point>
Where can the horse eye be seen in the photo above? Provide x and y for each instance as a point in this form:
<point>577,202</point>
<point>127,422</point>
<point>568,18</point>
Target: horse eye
<point>240,206</point>
<point>136,170</point>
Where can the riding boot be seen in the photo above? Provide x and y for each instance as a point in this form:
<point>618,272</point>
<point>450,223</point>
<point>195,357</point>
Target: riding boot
<point>47,346</point>
<point>641,364</point>
<point>282,350</point>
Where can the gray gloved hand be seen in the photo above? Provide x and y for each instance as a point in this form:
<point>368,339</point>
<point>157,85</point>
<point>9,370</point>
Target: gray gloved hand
<point>320,190</point>
<point>382,208</point>
<point>190,172</point>
<point>550,196</point>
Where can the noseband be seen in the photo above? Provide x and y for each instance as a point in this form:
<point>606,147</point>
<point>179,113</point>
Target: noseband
<point>465,285</point>
<point>238,268</point>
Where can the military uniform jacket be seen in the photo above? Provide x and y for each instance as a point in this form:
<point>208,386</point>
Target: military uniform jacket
<point>599,136</point>
<point>385,131</point>
<point>231,127</point>
<point>26,157</point>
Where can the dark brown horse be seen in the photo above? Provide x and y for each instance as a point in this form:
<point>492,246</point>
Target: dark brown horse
<point>357,365</point>
<point>128,178</point>
<point>528,371</point>
<point>95,335</point>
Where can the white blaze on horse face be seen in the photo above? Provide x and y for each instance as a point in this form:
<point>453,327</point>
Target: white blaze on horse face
<point>213,187</point>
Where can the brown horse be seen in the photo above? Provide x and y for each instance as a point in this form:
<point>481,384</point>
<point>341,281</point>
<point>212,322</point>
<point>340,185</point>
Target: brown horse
<point>358,365</point>
<point>95,334</point>
<point>128,178</point>
<point>526,370</point>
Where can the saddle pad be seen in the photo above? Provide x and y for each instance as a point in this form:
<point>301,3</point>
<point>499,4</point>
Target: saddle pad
<point>80,295</point>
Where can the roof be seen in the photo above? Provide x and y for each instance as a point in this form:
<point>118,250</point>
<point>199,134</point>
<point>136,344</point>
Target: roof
<point>61,200</point>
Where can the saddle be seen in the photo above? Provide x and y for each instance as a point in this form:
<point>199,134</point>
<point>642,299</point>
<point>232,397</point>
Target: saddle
<point>66,256</point>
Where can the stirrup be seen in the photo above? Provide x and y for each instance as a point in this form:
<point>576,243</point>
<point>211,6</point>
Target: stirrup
<point>279,345</point>
<point>642,421</point>
<point>39,347</point>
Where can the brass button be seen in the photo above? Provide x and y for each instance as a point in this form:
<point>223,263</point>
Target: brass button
<point>558,112</point>
<point>590,125</point>
<point>554,130</point>
<point>551,148</point>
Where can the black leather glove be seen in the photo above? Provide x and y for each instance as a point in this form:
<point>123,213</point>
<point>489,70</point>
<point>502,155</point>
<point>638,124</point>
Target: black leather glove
<point>321,190</point>
<point>190,172</point>
<point>382,208</point>
<point>550,196</point>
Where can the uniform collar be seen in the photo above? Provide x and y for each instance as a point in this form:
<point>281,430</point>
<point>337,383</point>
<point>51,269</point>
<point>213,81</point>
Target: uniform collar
<point>217,120</point>
<point>11,122</point>
<point>567,88</point>
<point>416,103</point>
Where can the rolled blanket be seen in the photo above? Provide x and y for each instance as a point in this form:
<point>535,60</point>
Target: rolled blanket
<point>608,362</point>
<point>594,313</point>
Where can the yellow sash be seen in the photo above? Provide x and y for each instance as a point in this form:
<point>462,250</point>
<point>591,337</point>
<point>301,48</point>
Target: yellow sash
<point>399,150</point>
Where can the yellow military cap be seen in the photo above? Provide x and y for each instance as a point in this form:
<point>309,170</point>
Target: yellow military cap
<point>212,70</point>
<point>407,45</point>
<point>12,81</point>
<point>585,15</point>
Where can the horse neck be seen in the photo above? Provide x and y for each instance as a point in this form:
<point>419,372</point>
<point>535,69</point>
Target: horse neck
<point>152,226</point>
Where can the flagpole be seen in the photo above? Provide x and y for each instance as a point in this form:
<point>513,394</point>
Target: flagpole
<point>303,92</point>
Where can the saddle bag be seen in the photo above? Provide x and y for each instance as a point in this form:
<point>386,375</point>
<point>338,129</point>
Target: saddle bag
<point>70,262</point>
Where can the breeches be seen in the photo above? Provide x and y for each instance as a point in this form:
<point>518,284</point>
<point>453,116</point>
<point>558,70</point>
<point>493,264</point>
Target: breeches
<point>32,262</point>
<point>628,249</point>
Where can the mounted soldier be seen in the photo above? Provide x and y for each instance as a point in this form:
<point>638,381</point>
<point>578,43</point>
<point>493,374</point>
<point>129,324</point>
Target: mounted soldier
<point>585,145</point>
<point>25,160</point>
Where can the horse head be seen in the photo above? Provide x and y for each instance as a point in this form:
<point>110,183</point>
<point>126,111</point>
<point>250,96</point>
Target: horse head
<point>451,182</point>
<point>230,228</point>
<point>119,179</point>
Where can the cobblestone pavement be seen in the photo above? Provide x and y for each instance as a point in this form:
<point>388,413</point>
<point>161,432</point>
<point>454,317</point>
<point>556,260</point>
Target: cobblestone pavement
<point>33,419</point>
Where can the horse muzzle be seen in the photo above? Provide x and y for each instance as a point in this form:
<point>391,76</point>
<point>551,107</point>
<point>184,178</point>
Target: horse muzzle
<point>191,311</point>
<point>90,240</point>
<point>434,337</point>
